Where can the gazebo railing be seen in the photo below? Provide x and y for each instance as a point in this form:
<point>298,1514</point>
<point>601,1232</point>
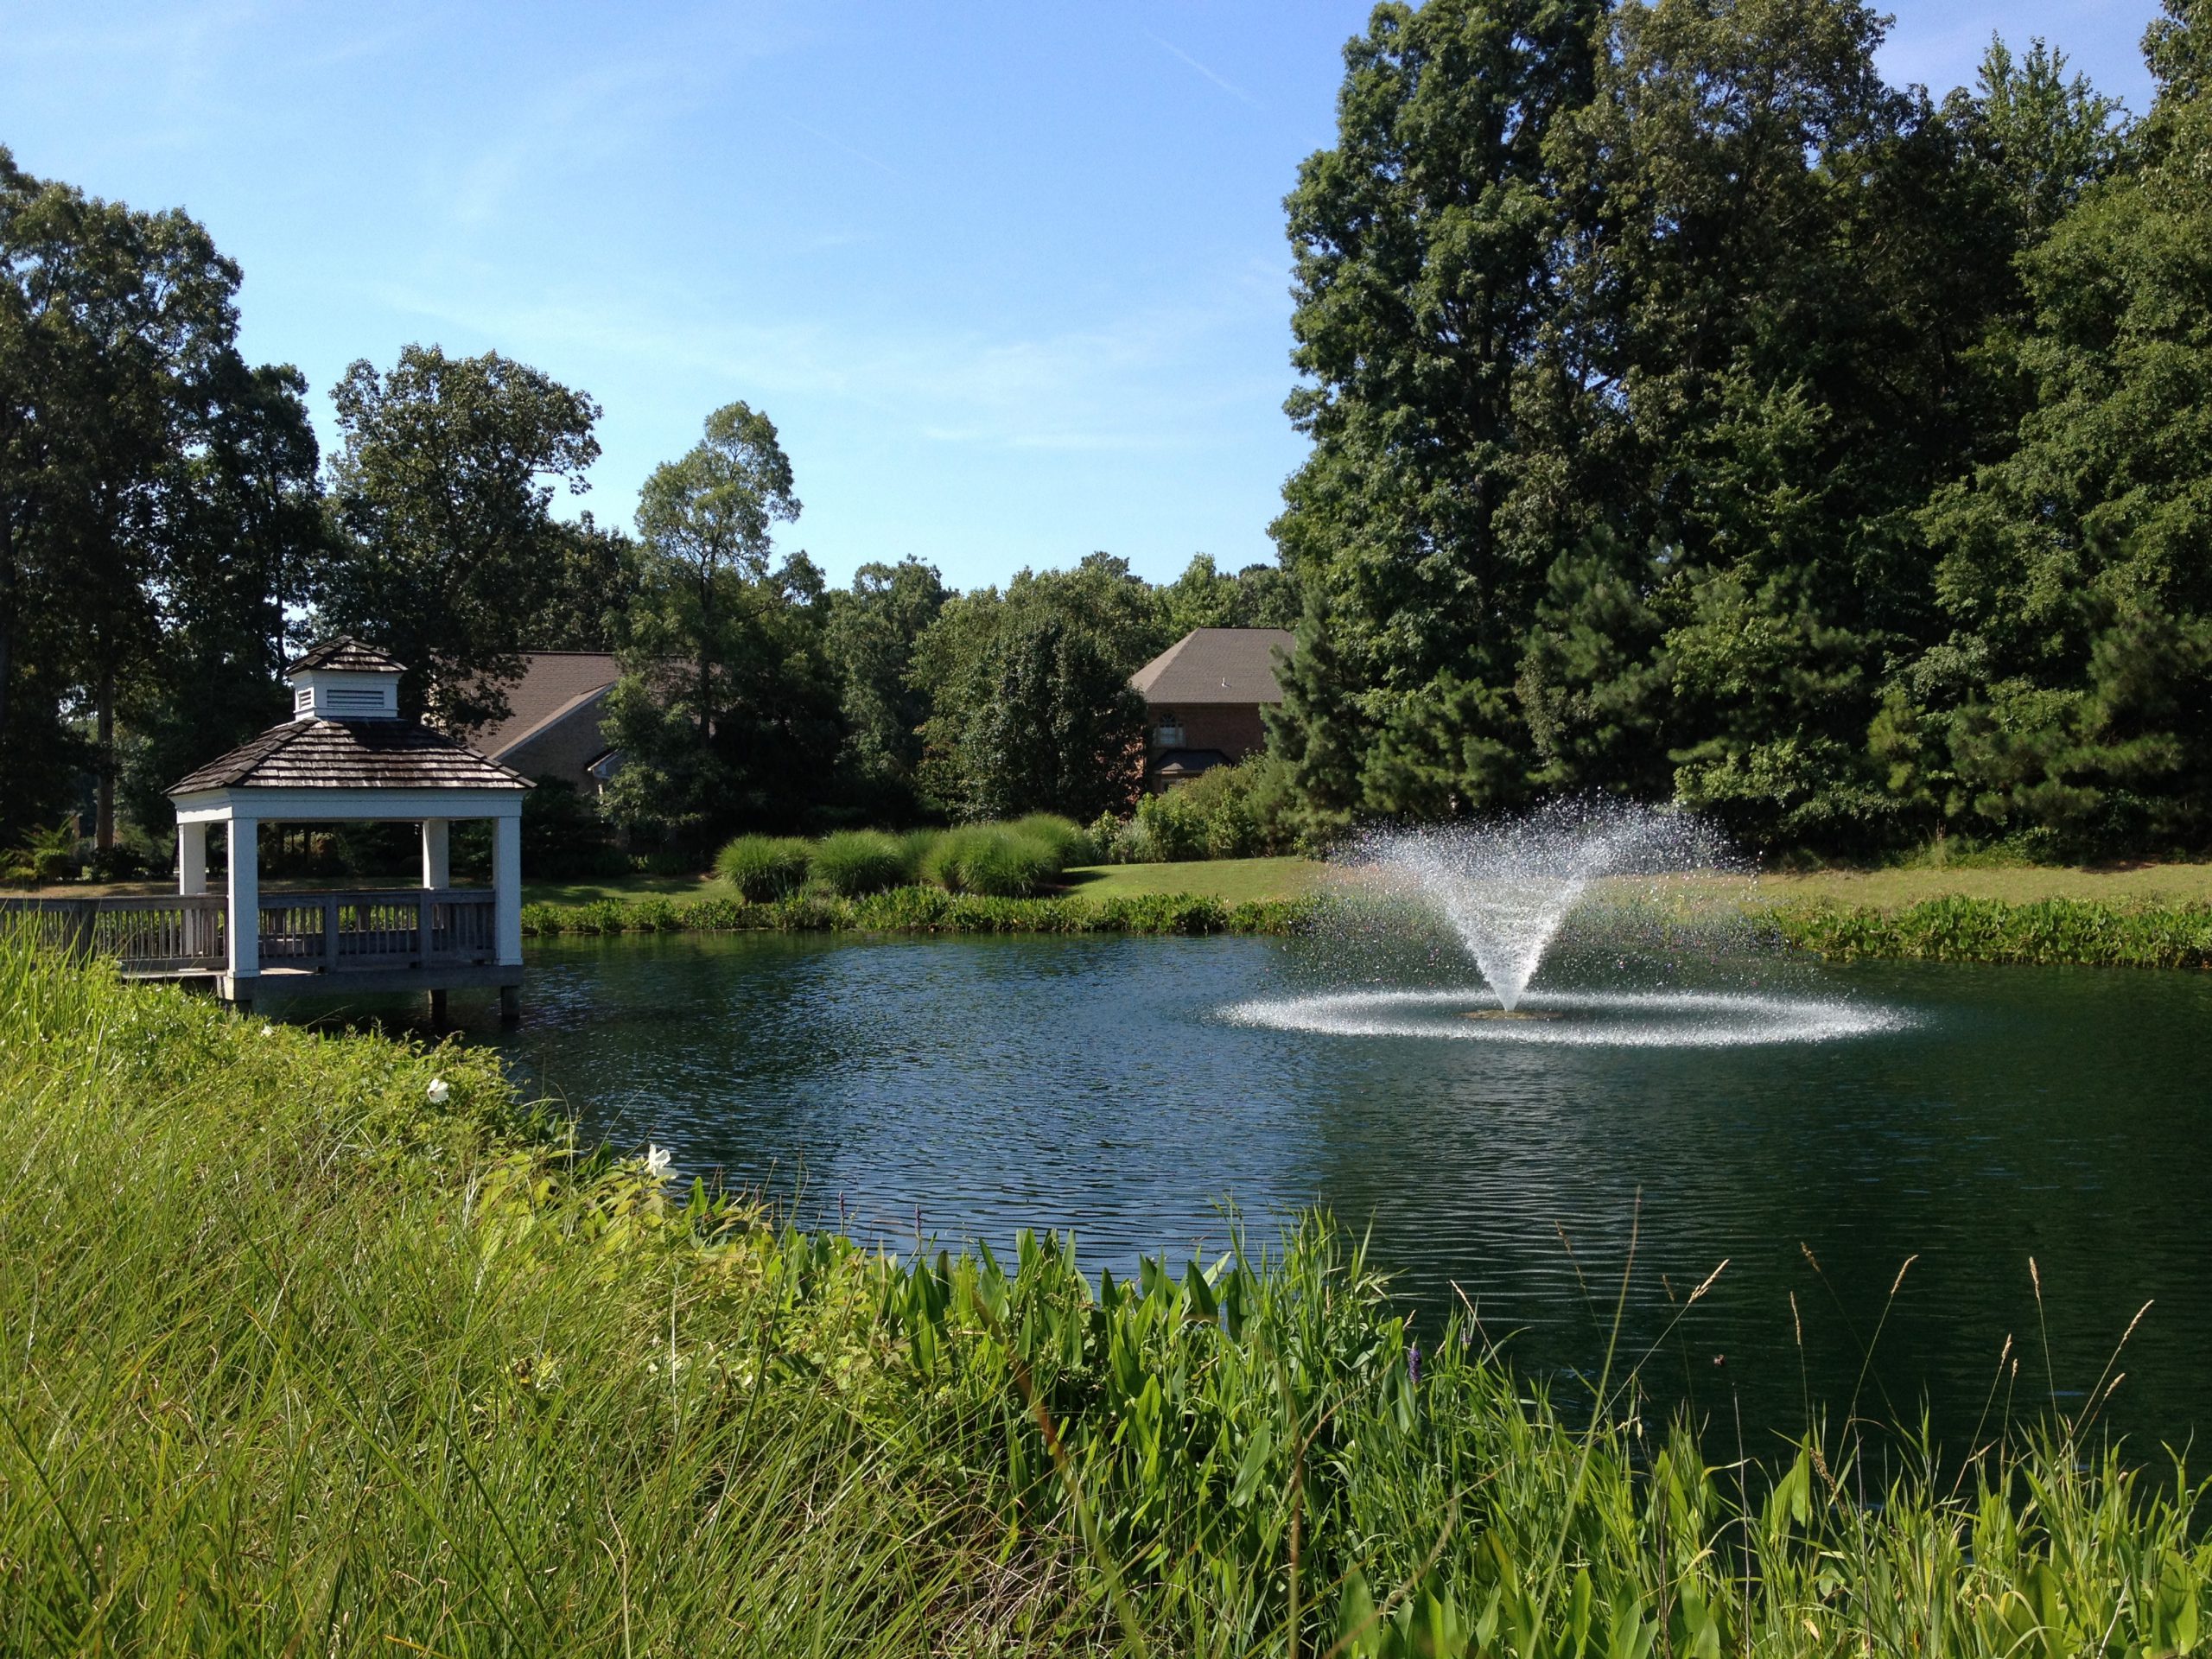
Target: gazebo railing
<point>166,934</point>
<point>326,933</point>
<point>337,931</point>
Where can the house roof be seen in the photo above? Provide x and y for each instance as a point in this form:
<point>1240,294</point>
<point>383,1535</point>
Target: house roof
<point>1215,665</point>
<point>351,754</point>
<point>554,685</point>
<point>1186,763</point>
<point>347,655</point>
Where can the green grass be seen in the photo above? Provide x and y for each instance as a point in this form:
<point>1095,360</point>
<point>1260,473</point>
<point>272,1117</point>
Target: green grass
<point>1232,881</point>
<point>299,1354</point>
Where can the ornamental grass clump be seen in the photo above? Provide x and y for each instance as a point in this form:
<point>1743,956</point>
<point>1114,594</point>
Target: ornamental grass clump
<point>857,862</point>
<point>989,859</point>
<point>1069,844</point>
<point>764,868</point>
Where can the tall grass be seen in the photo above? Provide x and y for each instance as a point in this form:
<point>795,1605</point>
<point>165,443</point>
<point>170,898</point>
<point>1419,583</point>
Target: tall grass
<point>763,867</point>
<point>925,909</point>
<point>299,1353</point>
<point>997,860</point>
<point>2049,931</point>
<point>856,862</point>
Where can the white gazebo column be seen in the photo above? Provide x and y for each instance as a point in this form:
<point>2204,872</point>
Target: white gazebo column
<point>191,859</point>
<point>506,887</point>
<point>437,864</point>
<point>243,921</point>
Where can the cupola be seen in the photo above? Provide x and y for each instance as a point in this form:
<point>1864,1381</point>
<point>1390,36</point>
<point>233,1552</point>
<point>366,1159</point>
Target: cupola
<point>344,679</point>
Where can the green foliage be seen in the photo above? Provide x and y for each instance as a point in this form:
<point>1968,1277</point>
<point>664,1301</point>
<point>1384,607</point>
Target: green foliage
<point>1070,844</point>
<point>1648,347</point>
<point>2047,932</point>
<point>727,712</point>
<point>993,860</point>
<point>1245,810</point>
<point>925,909</point>
<point>1029,708</point>
<point>870,640</point>
<point>457,1385</point>
<point>441,498</point>
<point>563,836</point>
<point>763,868</point>
<point>856,862</point>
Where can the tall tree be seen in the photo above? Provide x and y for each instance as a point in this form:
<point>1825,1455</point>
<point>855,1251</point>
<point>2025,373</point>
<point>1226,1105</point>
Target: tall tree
<point>727,712</point>
<point>873,628</point>
<point>441,501</point>
<point>116,328</point>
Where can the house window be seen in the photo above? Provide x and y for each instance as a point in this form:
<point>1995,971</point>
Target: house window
<point>1168,733</point>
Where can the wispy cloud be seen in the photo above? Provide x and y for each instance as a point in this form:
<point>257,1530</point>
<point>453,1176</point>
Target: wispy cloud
<point>858,155</point>
<point>1221,82</point>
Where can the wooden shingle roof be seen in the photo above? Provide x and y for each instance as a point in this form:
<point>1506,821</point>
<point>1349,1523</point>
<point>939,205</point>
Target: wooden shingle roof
<point>351,754</point>
<point>347,655</point>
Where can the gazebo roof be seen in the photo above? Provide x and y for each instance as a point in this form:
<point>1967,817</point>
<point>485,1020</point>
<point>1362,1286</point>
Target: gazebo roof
<point>345,655</point>
<point>351,754</point>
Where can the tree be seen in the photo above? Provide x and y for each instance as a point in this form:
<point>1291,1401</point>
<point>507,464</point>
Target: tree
<point>2076,569</point>
<point>1074,635</point>
<point>121,394</point>
<point>596,580</point>
<point>873,629</point>
<point>727,712</point>
<point>1061,730</point>
<point>441,503</point>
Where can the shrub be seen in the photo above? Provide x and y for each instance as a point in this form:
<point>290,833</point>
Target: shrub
<point>854,861</point>
<point>1067,842</point>
<point>763,867</point>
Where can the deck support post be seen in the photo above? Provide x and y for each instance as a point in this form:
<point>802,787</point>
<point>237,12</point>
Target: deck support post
<point>191,859</point>
<point>437,1010</point>
<point>506,887</point>
<point>510,1004</point>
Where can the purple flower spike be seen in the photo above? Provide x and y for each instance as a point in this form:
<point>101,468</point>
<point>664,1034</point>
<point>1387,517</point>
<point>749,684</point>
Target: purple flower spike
<point>1412,1363</point>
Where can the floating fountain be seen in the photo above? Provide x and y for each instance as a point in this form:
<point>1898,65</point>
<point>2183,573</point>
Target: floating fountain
<point>1506,890</point>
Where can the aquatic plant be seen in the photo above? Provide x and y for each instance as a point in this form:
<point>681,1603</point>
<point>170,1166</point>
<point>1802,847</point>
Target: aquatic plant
<point>762,868</point>
<point>855,861</point>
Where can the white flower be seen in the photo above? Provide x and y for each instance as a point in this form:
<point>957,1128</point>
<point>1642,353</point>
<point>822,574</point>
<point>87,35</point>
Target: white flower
<point>440,1091</point>
<point>268,1031</point>
<point>659,1161</point>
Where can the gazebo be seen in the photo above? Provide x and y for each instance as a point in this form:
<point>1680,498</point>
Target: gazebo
<point>345,756</point>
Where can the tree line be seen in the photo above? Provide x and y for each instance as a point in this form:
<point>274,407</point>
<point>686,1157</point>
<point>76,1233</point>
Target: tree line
<point>1696,416</point>
<point>170,533</point>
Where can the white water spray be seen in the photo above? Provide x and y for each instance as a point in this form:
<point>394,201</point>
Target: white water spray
<point>1507,887</point>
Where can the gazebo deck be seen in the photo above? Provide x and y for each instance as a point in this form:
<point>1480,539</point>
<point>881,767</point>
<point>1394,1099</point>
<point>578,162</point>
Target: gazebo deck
<point>316,943</point>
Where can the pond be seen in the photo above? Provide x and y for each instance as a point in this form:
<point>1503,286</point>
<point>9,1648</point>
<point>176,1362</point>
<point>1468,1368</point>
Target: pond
<point>1966,1118</point>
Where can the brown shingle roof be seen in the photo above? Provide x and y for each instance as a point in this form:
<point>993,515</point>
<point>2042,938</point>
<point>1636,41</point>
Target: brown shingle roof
<point>1215,665</point>
<point>352,754</point>
<point>348,654</point>
<point>553,684</point>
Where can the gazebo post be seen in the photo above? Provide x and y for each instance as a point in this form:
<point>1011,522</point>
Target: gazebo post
<point>506,901</point>
<point>243,922</point>
<point>191,859</point>
<point>438,863</point>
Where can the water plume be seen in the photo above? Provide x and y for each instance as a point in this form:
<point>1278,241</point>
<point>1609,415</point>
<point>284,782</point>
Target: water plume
<point>1507,887</point>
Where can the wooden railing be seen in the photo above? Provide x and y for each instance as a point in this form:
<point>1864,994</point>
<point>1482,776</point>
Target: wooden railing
<point>325,932</point>
<point>168,934</point>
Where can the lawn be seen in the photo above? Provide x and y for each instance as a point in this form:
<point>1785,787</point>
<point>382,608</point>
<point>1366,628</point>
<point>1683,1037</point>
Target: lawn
<point>1892,889</point>
<point>1232,881</point>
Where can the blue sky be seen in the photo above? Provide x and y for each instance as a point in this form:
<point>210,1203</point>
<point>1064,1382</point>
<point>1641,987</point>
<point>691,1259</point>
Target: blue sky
<point>1010,279</point>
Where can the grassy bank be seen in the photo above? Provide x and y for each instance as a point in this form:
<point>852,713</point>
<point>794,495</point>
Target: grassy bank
<point>320,1343</point>
<point>917,910</point>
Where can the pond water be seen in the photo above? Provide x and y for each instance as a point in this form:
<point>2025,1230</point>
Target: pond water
<point>1968,1118</point>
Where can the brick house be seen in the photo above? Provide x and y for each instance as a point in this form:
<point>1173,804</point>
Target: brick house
<point>554,715</point>
<point>1203,697</point>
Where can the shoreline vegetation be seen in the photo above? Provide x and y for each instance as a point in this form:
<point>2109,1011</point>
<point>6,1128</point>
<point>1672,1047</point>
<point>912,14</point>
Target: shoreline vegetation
<point>330,1342</point>
<point>2132,932</point>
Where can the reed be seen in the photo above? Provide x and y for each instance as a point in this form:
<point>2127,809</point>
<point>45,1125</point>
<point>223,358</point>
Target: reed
<point>329,1344</point>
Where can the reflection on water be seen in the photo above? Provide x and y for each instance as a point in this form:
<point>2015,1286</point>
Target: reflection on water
<point>1974,1117</point>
